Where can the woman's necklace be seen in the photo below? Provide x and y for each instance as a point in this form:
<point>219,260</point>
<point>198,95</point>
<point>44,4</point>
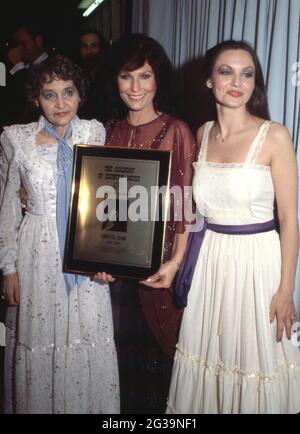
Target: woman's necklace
<point>219,133</point>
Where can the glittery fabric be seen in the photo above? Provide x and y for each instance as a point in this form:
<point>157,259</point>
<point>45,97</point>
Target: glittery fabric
<point>60,354</point>
<point>146,321</point>
<point>176,137</point>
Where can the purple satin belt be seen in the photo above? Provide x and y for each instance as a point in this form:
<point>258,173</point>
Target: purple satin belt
<point>185,273</point>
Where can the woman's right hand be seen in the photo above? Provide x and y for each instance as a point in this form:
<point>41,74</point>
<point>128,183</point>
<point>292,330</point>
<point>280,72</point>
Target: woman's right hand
<point>282,307</point>
<point>104,277</point>
<point>11,289</point>
<point>164,276</point>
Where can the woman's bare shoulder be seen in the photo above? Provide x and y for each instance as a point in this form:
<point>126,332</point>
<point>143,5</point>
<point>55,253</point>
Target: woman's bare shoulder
<point>279,142</point>
<point>278,132</point>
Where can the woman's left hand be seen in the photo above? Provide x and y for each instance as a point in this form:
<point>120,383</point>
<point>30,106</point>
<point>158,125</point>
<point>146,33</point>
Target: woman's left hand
<point>164,277</point>
<point>282,306</point>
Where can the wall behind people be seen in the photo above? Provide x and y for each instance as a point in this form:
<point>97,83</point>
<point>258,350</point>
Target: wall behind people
<point>113,18</point>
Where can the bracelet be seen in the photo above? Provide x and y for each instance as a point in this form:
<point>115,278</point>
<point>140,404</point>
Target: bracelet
<point>176,262</point>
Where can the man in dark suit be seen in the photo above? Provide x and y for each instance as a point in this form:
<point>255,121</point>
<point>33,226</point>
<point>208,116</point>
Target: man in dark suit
<point>28,50</point>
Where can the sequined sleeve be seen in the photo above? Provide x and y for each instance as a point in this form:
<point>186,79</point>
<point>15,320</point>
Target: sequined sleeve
<point>182,172</point>
<point>109,128</point>
<point>10,208</point>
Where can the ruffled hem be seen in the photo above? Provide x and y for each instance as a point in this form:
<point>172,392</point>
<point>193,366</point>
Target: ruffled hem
<point>74,344</point>
<point>201,387</point>
<point>219,369</point>
<point>78,378</point>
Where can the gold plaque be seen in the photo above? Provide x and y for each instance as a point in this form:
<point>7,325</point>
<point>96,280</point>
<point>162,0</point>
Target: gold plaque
<point>118,211</point>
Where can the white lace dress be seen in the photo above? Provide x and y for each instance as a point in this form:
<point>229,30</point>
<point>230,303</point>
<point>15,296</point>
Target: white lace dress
<point>60,355</point>
<point>227,358</point>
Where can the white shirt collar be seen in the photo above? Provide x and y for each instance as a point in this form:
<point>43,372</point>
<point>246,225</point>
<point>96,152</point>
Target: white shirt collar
<point>41,58</point>
<point>21,65</point>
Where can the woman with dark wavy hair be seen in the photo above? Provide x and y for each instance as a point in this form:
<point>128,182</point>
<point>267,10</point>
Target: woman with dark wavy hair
<point>146,319</point>
<point>129,54</point>
<point>236,352</point>
<point>257,104</point>
<point>60,354</point>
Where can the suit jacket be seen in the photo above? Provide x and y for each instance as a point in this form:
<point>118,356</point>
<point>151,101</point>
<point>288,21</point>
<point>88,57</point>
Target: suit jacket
<point>15,109</point>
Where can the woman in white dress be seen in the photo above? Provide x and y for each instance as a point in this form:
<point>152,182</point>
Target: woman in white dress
<point>236,351</point>
<point>60,354</point>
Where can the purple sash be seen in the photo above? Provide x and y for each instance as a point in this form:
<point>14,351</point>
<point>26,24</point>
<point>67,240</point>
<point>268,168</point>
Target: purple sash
<point>185,273</point>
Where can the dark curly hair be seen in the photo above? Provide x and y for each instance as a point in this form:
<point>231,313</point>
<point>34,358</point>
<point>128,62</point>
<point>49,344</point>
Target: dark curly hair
<point>54,67</point>
<point>257,104</point>
<point>131,53</point>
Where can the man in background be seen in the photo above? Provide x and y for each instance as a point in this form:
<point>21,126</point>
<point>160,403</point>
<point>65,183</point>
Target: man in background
<point>93,52</point>
<point>28,49</point>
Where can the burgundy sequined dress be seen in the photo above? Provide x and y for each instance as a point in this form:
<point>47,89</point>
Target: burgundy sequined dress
<point>146,321</point>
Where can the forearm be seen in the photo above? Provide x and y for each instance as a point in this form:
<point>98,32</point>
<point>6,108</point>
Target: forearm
<point>164,277</point>
<point>9,231</point>
<point>10,208</point>
<point>289,241</point>
<point>10,221</point>
<point>179,247</point>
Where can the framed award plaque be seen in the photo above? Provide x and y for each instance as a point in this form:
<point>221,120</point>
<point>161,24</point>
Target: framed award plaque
<point>118,211</point>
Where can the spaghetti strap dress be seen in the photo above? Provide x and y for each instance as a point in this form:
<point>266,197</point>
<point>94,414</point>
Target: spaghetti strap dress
<point>227,358</point>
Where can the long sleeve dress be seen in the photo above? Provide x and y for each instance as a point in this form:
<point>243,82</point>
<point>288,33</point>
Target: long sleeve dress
<point>227,358</point>
<point>146,320</point>
<point>60,354</point>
